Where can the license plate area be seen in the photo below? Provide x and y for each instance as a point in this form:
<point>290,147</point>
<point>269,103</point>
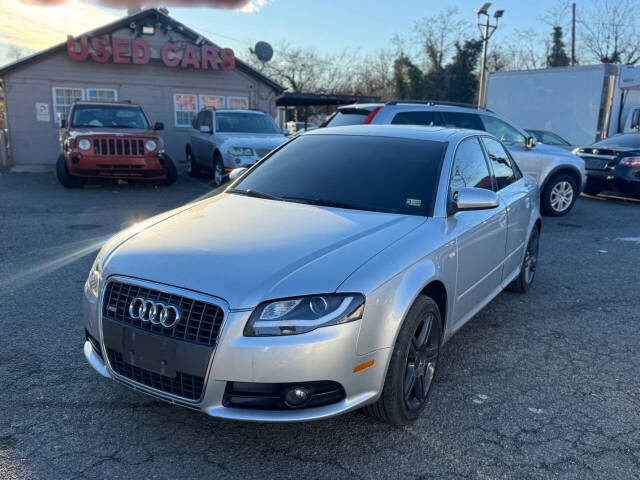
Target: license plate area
<point>596,163</point>
<point>151,352</point>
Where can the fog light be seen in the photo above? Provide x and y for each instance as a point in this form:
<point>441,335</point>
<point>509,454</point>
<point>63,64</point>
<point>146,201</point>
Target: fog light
<point>296,397</point>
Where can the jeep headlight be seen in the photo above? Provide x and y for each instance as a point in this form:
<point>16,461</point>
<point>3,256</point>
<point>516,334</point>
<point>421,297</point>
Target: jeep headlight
<point>150,145</point>
<point>84,144</point>
<point>92,285</point>
<point>241,151</point>
<point>293,316</point>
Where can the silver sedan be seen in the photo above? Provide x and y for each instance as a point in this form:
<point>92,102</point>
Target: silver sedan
<point>326,278</point>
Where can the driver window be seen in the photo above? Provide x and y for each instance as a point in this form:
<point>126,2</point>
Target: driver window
<point>469,168</point>
<point>503,131</point>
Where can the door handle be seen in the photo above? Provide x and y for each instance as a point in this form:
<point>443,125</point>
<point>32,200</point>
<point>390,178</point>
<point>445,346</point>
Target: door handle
<point>527,202</point>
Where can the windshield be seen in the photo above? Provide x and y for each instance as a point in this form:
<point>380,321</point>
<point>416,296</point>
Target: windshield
<point>109,116</point>
<point>625,141</point>
<point>238,122</point>
<point>383,174</point>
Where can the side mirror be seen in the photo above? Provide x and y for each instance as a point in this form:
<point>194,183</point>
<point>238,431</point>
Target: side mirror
<point>470,198</point>
<point>158,126</point>
<point>205,129</point>
<point>63,123</point>
<point>530,142</point>
<point>236,173</point>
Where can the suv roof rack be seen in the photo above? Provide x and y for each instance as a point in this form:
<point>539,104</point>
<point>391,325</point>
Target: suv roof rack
<point>437,102</point>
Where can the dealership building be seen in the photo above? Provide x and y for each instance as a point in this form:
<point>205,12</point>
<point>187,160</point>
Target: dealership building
<point>147,58</point>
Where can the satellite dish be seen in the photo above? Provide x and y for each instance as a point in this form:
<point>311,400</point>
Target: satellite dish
<point>263,51</point>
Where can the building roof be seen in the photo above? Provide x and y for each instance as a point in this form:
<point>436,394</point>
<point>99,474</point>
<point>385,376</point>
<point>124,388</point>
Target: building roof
<point>158,15</point>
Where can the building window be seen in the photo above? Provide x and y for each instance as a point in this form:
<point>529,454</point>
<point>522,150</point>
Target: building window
<point>241,103</point>
<point>63,97</point>
<point>186,107</point>
<point>215,101</point>
<point>102,94</point>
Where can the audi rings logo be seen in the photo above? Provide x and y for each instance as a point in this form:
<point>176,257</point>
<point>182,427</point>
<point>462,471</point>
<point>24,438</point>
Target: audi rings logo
<point>155,313</point>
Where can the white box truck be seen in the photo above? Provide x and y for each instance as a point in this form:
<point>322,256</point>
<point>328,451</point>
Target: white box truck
<point>582,104</point>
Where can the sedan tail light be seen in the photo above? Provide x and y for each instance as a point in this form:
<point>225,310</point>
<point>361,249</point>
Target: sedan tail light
<point>630,162</point>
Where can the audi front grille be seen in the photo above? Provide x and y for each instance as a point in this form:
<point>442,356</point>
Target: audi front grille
<point>182,385</point>
<point>200,321</point>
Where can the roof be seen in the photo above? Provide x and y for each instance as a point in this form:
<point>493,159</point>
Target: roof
<point>124,22</point>
<point>438,134</point>
<point>299,99</point>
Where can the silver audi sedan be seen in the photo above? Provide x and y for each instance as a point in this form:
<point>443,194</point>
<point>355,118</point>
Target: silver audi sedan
<point>325,278</point>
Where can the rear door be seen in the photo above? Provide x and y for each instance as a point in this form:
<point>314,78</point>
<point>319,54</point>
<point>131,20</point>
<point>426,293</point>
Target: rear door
<point>512,189</point>
<point>481,235</point>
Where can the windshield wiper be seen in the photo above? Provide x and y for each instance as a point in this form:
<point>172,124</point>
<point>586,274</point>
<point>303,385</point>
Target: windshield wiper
<point>326,203</point>
<point>253,193</point>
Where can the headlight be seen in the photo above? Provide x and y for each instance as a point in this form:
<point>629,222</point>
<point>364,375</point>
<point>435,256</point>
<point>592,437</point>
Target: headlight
<point>92,284</point>
<point>241,151</point>
<point>84,144</point>
<point>293,316</point>
<point>150,145</point>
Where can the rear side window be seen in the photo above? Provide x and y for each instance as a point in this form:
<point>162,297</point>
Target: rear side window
<point>469,168</point>
<point>503,131</point>
<point>501,163</point>
<point>349,116</point>
<point>469,121</point>
<point>427,118</point>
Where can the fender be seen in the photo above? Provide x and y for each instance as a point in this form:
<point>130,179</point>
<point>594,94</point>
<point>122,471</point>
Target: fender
<point>558,169</point>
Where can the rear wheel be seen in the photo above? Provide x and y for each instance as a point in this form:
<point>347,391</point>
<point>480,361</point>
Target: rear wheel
<point>64,177</point>
<point>412,366</point>
<point>192,166</point>
<point>528,270</point>
<point>218,170</point>
<point>559,195</point>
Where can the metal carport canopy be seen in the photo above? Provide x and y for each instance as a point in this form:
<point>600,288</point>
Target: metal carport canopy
<point>293,99</point>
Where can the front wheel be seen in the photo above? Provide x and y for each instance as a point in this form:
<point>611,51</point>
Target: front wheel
<point>559,195</point>
<point>192,166</point>
<point>412,366</point>
<point>172,171</point>
<point>64,177</point>
<point>523,282</point>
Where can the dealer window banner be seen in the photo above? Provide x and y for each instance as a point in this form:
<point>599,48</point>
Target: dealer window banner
<point>137,51</point>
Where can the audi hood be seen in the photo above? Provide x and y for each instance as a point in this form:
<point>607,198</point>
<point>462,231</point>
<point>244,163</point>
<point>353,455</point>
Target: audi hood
<point>247,250</point>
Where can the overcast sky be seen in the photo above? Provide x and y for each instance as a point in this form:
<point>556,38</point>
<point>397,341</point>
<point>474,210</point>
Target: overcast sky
<point>329,25</point>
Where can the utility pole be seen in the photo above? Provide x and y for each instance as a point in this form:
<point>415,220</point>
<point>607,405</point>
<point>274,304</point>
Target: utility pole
<point>486,30</point>
<point>573,34</point>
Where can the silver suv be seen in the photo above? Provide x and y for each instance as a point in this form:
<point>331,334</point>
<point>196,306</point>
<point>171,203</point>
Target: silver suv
<point>561,175</point>
<point>222,140</point>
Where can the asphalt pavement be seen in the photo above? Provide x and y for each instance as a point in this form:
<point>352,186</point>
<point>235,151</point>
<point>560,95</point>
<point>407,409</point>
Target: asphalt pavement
<point>542,385</point>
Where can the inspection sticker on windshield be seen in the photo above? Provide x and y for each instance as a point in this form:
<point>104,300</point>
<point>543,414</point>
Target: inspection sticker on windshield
<point>414,202</point>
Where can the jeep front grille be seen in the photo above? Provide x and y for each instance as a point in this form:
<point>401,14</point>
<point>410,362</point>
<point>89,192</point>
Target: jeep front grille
<point>200,323</point>
<point>130,147</point>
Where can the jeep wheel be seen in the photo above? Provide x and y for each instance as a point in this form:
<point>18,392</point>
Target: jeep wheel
<point>559,195</point>
<point>218,170</point>
<point>64,177</point>
<point>192,167</point>
<point>412,366</point>
<point>172,171</point>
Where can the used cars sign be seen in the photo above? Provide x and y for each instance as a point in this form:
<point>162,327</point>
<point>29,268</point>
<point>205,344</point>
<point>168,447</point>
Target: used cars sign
<point>138,51</point>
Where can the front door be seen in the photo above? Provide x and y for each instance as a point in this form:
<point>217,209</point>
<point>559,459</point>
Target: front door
<point>481,234</point>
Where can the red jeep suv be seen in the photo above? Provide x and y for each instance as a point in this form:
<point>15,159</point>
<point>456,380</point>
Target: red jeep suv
<point>111,140</point>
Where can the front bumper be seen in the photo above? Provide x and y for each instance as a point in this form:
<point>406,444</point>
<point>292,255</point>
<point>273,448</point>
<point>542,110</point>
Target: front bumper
<point>149,167</point>
<point>326,354</point>
<point>621,179</point>
<point>231,161</point>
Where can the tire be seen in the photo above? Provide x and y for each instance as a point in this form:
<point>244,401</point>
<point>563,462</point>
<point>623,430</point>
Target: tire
<point>395,406</point>
<point>192,166</point>
<point>524,280</point>
<point>64,177</point>
<point>172,171</point>
<point>559,195</point>
<point>217,170</point>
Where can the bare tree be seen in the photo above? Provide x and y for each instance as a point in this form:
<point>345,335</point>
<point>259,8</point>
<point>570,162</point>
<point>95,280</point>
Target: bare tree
<point>609,31</point>
<point>374,75</point>
<point>521,50</point>
<point>438,36</point>
<point>15,52</point>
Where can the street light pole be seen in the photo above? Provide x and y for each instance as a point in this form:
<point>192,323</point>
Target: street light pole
<point>486,30</point>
